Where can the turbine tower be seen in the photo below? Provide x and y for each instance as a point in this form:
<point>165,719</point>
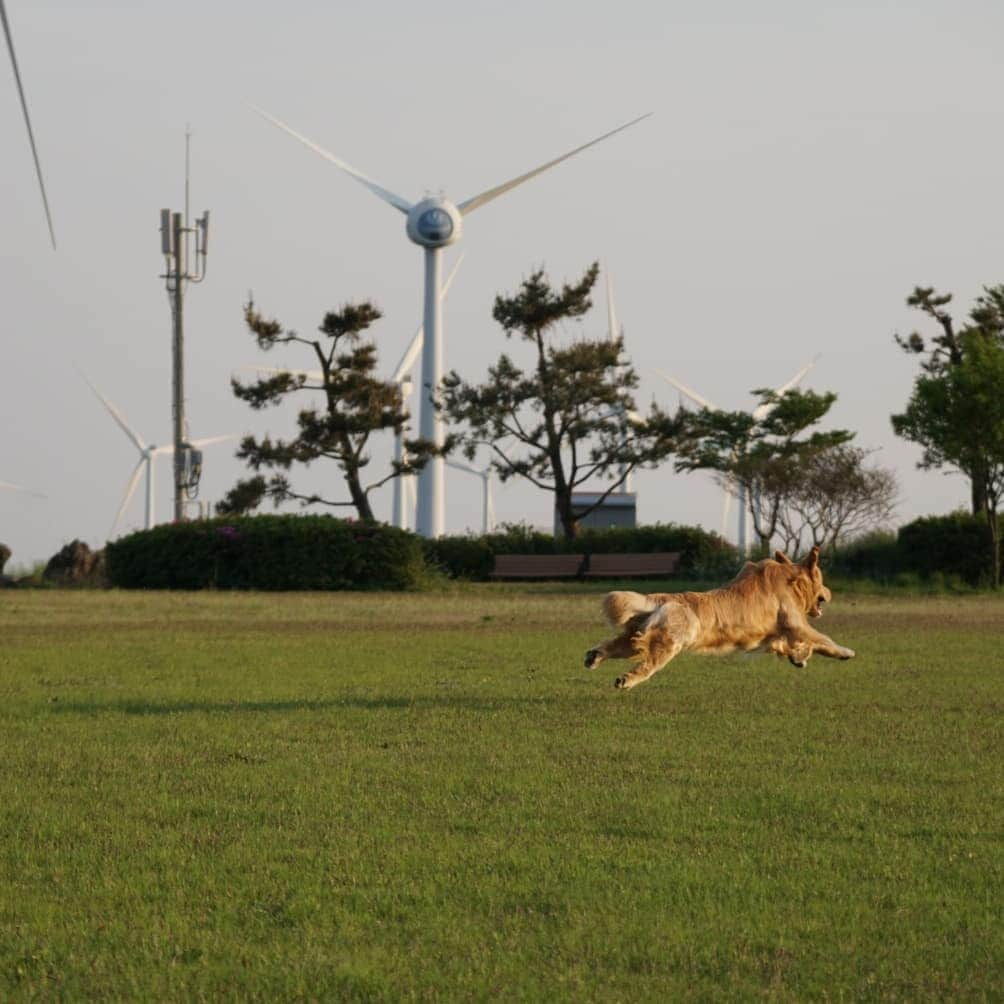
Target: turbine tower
<point>614,330</point>
<point>145,462</point>
<point>435,223</point>
<point>27,119</point>
<point>759,412</point>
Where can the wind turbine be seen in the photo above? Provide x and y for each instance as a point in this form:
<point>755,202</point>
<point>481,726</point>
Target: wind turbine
<point>27,118</point>
<point>404,489</point>
<point>435,223</point>
<point>758,413</point>
<point>487,502</point>
<point>146,457</point>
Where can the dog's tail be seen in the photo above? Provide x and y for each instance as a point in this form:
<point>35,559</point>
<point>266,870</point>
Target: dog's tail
<point>619,607</point>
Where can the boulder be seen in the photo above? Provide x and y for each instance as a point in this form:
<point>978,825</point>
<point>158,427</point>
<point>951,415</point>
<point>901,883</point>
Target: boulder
<point>5,553</point>
<point>76,565</point>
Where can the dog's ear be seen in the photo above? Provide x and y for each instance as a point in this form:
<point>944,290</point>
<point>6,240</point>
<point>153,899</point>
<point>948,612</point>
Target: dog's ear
<point>812,559</point>
<point>782,558</point>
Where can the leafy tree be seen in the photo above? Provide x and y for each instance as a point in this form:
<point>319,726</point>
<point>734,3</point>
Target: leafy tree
<point>835,496</point>
<point>760,457</point>
<point>947,349</point>
<point>356,405</point>
<point>566,418</point>
<point>957,415</point>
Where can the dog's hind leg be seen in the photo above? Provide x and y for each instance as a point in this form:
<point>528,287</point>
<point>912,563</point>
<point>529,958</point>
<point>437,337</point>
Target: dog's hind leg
<point>667,633</point>
<point>621,647</point>
<point>660,652</point>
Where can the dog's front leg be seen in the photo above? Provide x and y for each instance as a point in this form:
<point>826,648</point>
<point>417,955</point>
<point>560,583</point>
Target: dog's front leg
<point>819,642</point>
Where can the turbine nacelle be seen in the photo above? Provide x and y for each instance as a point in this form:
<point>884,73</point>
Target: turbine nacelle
<point>435,222</point>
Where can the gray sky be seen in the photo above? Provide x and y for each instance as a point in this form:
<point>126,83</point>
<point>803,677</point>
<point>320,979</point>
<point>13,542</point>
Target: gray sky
<point>806,166</point>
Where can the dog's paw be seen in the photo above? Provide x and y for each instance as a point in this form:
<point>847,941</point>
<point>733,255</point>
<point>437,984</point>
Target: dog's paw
<point>800,663</point>
<point>846,653</point>
<point>592,659</point>
<point>623,682</point>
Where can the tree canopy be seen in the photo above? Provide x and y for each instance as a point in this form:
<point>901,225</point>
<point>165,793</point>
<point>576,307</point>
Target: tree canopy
<point>956,413</point>
<point>759,454</point>
<point>355,405</point>
<point>568,417</point>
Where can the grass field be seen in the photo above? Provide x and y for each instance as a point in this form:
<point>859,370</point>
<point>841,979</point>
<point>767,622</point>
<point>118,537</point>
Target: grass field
<point>425,797</point>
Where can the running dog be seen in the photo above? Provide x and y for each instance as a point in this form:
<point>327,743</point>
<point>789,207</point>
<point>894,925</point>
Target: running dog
<point>766,607</point>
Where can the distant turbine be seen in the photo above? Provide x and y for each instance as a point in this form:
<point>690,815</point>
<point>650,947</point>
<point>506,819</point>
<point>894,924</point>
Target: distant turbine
<point>434,223</point>
<point>146,455</point>
<point>759,412</point>
<point>487,502</point>
<point>27,118</point>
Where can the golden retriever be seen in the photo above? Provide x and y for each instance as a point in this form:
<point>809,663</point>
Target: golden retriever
<point>766,607</point>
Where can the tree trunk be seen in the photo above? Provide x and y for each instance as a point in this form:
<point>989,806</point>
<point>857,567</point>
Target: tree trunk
<point>569,524</point>
<point>979,498</point>
<point>995,543</point>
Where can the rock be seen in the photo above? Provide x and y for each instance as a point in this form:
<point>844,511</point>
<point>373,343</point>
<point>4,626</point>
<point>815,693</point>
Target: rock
<point>5,553</point>
<point>76,565</point>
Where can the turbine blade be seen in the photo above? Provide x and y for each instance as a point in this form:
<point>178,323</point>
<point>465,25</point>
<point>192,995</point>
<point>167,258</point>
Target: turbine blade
<point>759,413</point>
<point>27,120</point>
<point>208,441</point>
<point>458,466</point>
<point>415,345</point>
<point>275,370</point>
<point>116,414</point>
<point>389,197</point>
<point>8,486</point>
<point>477,201</point>
<point>162,450</point>
<point>133,482</point>
<point>701,402</point>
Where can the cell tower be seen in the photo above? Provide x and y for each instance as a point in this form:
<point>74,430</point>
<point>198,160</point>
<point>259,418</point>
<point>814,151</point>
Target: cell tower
<point>176,245</point>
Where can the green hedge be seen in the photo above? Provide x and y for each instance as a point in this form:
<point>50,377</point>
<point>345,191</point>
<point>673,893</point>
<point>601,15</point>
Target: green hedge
<point>268,552</point>
<point>469,557</point>
<point>956,544</point>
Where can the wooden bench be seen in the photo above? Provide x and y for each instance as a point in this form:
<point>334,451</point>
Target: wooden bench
<point>623,566</point>
<point>538,566</point>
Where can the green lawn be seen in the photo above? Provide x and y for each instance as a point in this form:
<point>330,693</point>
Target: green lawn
<point>374,797</point>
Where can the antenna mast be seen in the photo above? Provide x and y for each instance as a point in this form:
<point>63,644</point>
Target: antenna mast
<point>175,245</point>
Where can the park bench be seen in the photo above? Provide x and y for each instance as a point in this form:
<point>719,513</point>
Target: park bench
<point>595,566</point>
<point>623,566</point>
<point>538,566</point>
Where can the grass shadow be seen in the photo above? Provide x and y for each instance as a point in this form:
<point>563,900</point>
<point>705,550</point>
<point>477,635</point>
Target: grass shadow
<point>388,703</point>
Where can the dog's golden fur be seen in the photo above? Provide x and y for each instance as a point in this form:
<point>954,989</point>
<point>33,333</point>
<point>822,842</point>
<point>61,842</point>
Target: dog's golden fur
<point>767,606</point>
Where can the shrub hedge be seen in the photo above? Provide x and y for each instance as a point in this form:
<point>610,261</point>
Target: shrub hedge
<point>473,557</point>
<point>956,544</point>
<point>268,552</point>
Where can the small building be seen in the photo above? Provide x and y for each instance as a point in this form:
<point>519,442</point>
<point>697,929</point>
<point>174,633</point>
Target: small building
<point>617,509</point>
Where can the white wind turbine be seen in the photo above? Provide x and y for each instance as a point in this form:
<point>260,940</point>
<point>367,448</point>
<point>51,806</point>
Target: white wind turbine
<point>759,412</point>
<point>27,118</point>
<point>487,501</point>
<point>147,453</point>
<point>404,488</point>
<point>434,223</point>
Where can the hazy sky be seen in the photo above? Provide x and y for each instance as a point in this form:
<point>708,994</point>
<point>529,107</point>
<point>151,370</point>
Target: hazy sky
<point>806,166</point>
